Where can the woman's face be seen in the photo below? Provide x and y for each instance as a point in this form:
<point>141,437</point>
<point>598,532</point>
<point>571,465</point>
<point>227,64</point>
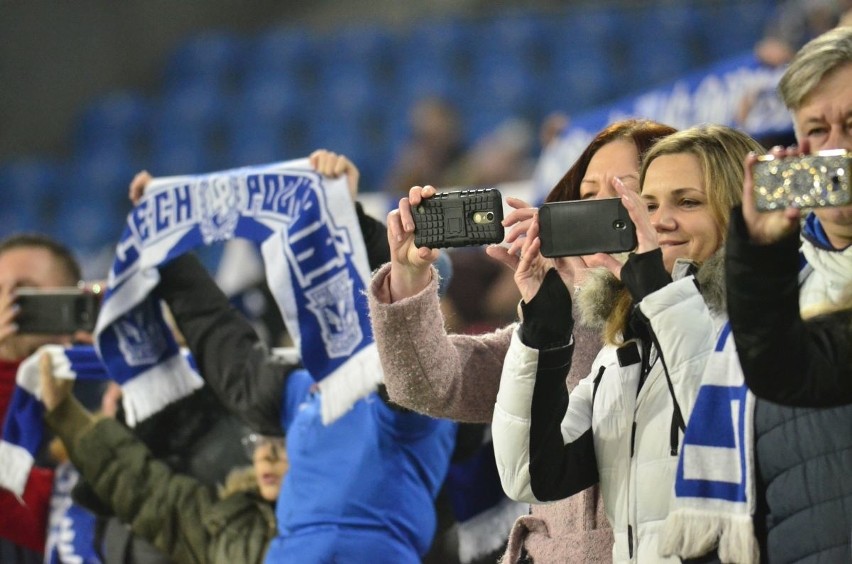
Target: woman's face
<point>680,211</point>
<point>270,464</point>
<point>616,159</point>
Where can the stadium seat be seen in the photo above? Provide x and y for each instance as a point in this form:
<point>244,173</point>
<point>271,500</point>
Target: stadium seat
<point>28,184</point>
<point>214,56</point>
<point>120,117</point>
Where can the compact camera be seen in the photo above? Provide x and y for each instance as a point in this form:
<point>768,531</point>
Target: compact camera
<point>57,311</point>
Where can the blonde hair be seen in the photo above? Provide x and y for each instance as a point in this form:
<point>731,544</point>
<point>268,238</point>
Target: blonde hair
<point>720,150</point>
<point>816,59</point>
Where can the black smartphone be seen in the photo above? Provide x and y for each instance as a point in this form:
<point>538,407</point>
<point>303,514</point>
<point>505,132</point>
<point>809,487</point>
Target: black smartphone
<point>463,218</point>
<point>585,227</point>
<point>808,181</point>
<point>56,311</point>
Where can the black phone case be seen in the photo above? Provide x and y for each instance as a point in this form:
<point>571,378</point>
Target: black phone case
<point>57,313</point>
<point>449,219</point>
<point>585,227</point>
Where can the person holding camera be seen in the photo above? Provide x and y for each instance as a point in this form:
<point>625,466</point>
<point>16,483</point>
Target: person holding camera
<point>183,516</point>
<point>799,460</point>
<point>461,382</point>
<point>360,488</point>
<point>622,425</point>
<point>786,359</point>
<point>27,260</point>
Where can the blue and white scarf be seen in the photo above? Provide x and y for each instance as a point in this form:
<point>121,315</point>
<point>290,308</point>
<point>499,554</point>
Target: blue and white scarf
<point>714,486</point>
<point>71,532</point>
<point>23,429</point>
<point>316,266</point>
<point>315,262</point>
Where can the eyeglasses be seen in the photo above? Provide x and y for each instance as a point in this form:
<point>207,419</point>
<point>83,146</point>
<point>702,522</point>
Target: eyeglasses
<point>253,441</point>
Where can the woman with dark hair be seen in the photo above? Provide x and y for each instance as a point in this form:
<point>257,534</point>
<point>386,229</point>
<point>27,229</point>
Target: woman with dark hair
<point>457,376</point>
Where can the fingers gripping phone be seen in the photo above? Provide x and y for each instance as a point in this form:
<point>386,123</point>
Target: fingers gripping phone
<point>808,181</point>
<point>56,311</point>
<point>459,219</point>
<point>585,227</point>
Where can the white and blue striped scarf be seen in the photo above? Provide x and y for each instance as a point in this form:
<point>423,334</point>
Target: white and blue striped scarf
<point>714,486</point>
<point>316,267</point>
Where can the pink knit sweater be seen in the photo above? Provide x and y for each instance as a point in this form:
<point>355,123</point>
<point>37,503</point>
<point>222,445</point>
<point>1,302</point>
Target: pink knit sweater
<point>457,377</point>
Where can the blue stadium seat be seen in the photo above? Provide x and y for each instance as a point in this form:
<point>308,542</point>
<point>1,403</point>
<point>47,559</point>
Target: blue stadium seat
<point>280,50</point>
<point>734,27</point>
<point>120,117</point>
<point>15,219</point>
<point>212,56</point>
<point>256,142</point>
<point>100,177</point>
<point>28,184</point>
<point>666,43</point>
<point>88,227</point>
<point>368,46</point>
<point>444,44</point>
<point>191,111</point>
<point>518,38</point>
<point>182,152</point>
<point>273,98</point>
<point>503,89</point>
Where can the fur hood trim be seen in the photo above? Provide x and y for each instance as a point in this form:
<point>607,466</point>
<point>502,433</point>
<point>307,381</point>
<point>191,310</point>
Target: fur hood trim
<point>597,297</point>
<point>240,479</point>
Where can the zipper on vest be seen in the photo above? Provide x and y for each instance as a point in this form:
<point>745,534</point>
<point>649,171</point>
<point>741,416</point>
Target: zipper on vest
<point>630,541</point>
<point>632,438</point>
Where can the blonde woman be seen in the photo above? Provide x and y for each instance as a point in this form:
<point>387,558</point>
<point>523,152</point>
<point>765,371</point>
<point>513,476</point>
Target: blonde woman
<point>622,425</point>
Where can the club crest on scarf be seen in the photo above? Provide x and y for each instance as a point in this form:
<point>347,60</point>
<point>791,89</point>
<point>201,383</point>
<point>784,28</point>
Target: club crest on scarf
<point>219,199</point>
<point>140,336</point>
<point>333,304</point>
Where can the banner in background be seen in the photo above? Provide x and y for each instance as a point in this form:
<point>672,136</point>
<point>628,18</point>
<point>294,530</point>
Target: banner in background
<point>739,92</point>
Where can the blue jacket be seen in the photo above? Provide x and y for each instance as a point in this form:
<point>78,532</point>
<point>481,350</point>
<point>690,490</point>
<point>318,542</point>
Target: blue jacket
<point>361,489</point>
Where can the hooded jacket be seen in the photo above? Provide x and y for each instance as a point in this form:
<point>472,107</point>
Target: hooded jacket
<point>618,426</point>
<point>180,515</point>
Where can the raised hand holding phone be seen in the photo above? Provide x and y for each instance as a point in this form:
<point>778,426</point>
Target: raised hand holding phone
<point>410,265</point>
<point>766,227</point>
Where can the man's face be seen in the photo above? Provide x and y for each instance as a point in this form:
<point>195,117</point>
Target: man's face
<point>825,120</point>
<point>31,267</point>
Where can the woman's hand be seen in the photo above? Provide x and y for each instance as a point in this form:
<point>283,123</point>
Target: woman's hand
<point>532,267</point>
<point>410,265</point>
<point>53,390</point>
<point>765,228</point>
<point>333,165</point>
<point>646,235</point>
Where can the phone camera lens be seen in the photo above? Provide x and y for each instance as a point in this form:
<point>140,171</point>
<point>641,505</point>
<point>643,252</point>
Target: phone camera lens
<point>619,224</point>
<point>489,216</point>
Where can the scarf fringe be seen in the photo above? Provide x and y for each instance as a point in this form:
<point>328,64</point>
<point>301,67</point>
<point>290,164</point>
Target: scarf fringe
<point>15,469</point>
<point>157,387</point>
<point>487,532</point>
<point>689,534</point>
<point>354,379</point>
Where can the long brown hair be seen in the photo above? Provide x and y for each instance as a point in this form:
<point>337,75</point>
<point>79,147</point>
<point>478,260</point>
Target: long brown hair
<point>641,132</point>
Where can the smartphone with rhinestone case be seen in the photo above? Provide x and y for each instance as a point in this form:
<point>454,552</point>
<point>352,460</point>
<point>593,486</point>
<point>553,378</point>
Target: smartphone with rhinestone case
<point>809,181</point>
<point>463,218</point>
